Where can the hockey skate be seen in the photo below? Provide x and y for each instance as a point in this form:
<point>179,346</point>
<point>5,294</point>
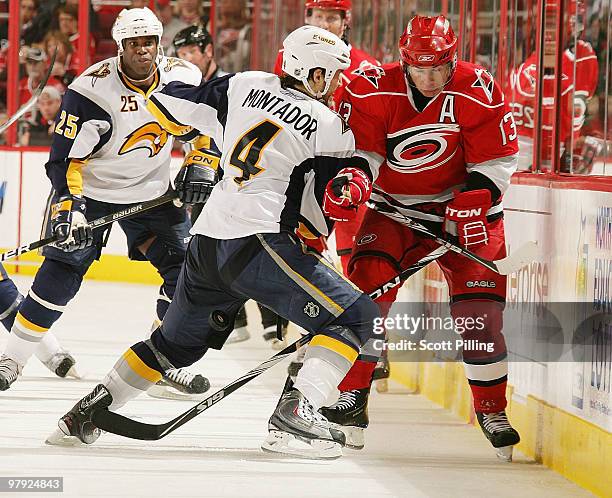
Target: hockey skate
<point>271,338</point>
<point>350,415</point>
<point>295,429</point>
<point>76,426</point>
<point>381,373</point>
<point>63,364</point>
<point>239,334</point>
<point>9,371</point>
<point>179,383</point>
<point>499,432</point>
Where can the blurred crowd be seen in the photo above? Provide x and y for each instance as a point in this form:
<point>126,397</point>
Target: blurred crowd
<point>50,25</point>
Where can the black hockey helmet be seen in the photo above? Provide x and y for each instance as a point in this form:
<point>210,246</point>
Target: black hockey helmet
<point>192,35</point>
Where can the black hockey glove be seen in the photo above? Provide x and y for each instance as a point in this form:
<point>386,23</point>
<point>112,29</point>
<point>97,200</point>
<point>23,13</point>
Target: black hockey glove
<point>197,176</point>
<point>69,225</point>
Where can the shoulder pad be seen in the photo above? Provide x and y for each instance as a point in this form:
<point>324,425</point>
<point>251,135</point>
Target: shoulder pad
<point>96,75</point>
<point>475,83</point>
<point>371,79</point>
<point>175,69</point>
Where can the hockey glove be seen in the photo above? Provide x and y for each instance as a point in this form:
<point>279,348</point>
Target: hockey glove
<point>69,225</point>
<point>197,176</point>
<point>344,193</point>
<point>466,217</point>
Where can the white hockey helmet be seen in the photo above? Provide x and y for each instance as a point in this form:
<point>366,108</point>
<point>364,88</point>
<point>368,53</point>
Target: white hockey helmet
<point>310,47</point>
<point>131,23</point>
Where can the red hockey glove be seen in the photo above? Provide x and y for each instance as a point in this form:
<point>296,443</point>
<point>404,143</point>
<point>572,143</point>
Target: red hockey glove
<point>466,217</point>
<point>350,188</point>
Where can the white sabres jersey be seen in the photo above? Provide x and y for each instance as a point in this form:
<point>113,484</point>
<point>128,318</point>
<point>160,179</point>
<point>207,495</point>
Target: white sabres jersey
<point>106,145</point>
<point>279,150</point>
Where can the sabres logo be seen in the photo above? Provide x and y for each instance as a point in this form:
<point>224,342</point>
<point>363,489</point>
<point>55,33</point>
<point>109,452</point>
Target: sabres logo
<point>370,72</point>
<point>150,136</point>
<point>102,72</point>
<point>484,80</point>
<point>174,62</point>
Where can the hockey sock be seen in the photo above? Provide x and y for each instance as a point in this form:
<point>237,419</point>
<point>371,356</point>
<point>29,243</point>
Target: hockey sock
<point>10,299</point>
<point>168,262</point>
<point>135,372</point>
<point>326,362</point>
<point>48,347</point>
<point>359,376</point>
<point>489,398</point>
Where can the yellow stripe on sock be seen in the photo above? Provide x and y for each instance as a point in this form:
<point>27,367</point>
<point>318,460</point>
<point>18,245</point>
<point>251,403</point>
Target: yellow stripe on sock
<point>140,367</point>
<point>29,325</point>
<point>336,346</point>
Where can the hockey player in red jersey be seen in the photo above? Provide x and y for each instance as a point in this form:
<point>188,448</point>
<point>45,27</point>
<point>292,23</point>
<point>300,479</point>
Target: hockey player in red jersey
<point>444,142</point>
<point>578,84</point>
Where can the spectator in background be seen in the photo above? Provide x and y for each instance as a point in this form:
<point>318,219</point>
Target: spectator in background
<point>36,67</point>
<point>194,44</point>
<point>190,11</point>
<point>63,69</point>
<point>172,25</point>
<point>234,35</point>
<point>39,130</point>
<point>138,4</point>
<point>68,23</point>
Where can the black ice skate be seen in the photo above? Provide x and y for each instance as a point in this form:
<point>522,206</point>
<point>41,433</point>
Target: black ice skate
<point>179,383</point>
<point>9,371</point>
<point>62,364</point>
<point>296,429</point>
<point>350,415</point>
<point>499,432</point>
<point>271,337</point>
<point>77,424</point>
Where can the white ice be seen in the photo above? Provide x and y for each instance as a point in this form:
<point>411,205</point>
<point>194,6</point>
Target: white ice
<point>413,448</point>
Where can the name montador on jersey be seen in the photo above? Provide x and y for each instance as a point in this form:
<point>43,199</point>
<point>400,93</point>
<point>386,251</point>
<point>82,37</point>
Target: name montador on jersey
<point>285,111</point>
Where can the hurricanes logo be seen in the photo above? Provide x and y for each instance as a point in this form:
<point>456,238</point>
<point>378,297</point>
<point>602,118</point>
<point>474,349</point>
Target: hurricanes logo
<point>370,72</point>
<point>484,80</point>
<point>150,136</point>
<point>422,147</point>
<point>174,62</point>
<point>102,72</point>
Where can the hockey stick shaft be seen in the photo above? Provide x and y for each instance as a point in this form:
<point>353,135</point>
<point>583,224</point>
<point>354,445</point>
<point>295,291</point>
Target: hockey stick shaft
<point>33,99</point>
<point>123,426</point>
<point>524,255</point>
<point>97,223</point>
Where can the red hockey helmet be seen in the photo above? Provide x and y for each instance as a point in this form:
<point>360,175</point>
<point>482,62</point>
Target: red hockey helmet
<point>344,5</point>
<point>428,41</point>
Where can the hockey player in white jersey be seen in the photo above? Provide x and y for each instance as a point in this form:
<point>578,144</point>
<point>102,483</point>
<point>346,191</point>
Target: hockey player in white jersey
<point>107,154</point>
<point>287,160</point>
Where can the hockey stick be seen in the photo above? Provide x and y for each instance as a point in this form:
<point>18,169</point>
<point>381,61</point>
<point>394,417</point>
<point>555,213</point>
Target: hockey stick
<point>511,263</point>
<point>100,222</point>
<point>33,99</point>
<point>123,426</point>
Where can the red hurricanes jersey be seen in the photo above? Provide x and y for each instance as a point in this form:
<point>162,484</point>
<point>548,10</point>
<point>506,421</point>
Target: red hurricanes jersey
<point>574,92</point>
<point>360,61</point>
<point>425,155</point>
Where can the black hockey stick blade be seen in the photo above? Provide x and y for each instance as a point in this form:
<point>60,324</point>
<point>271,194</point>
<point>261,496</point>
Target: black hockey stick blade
<point>97,223</point>
<point>33,99</point>
<point>123,426</point>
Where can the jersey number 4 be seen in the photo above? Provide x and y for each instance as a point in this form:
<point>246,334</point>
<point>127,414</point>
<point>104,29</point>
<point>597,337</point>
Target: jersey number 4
<point>246,154</point>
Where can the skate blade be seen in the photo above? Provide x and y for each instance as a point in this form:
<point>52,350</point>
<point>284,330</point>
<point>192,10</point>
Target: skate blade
<point>73,373</point>
<point>283,443</point>
<point>355,436</point>
<point>58,438</point>
<point>504,453</point>
<point>167,392</point>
